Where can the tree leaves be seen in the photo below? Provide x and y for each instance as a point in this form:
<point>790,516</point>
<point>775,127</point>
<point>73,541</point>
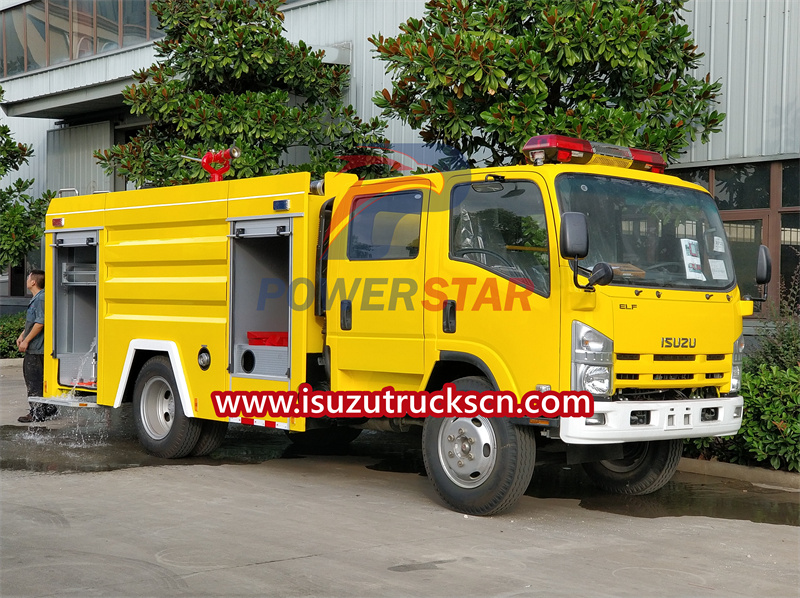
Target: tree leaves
<point>225,76</point>
<point>21,215</point>
<point>619,72</point>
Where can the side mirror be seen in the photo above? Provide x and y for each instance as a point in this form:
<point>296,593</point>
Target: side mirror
<point>763,273</point>
<point>602,274</point>
<point>764,266</point>
<point>574,235</point>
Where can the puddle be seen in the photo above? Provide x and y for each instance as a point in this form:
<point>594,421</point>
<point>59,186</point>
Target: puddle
<point>687,494</point>
<point>396,452</point>
<point>86,440</point>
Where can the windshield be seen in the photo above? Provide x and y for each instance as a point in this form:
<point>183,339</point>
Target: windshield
<point>651,234</point>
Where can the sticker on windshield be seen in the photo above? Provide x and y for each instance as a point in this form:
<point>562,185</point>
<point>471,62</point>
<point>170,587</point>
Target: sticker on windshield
<point>718,271</point>
<point>719,246</point>
<point>691,259</point>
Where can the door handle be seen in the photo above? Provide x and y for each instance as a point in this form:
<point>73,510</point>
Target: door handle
<point>346,315</point>
<point>449,316</point>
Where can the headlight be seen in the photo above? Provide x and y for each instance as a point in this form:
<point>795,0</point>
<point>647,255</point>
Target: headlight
<point>597,379</point>
<point>592,357</point>
<point>736,369</point>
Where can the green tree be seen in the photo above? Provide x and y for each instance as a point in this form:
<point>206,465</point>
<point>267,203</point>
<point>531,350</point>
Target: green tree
<point>21,214</point>
<point>485,75</point>
<point>227,76</point>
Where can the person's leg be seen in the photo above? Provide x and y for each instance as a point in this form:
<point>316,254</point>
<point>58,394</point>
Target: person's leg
<point>29,373</point>
<point>33,371</point>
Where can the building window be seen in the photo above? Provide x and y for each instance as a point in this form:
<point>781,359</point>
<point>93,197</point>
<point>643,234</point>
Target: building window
<point>791,184</point>
<point>14,38</point>
<point>13,280</point>
<point>760,204</point>
<point>45,33</point>
<point>790,255</point>
<point>58,33</point>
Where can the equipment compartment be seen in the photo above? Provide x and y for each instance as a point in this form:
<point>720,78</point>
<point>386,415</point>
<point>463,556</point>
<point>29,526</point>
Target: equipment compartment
<point>261,263</point>
<point>75,304</point>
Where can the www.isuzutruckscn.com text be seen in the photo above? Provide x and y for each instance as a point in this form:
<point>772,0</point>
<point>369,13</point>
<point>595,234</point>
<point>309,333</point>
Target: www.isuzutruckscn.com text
<point>388,402</point>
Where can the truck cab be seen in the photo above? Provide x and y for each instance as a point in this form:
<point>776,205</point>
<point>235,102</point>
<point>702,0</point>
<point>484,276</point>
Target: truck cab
<point>505,297</point>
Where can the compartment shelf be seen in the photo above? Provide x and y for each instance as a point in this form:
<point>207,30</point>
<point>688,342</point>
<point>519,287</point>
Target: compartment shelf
<point>79,275</point>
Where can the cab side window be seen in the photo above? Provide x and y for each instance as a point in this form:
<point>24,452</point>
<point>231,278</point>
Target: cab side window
<point>501,226</point>
<point>385,226</point>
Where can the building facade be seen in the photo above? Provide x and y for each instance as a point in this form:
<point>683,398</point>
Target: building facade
<point>64,63</point>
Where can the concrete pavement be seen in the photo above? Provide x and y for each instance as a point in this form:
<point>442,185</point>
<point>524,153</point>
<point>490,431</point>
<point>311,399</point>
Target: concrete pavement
<point>331,526</point>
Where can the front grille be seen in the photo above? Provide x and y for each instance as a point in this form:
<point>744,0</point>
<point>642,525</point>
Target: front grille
<point>673,357</point>
<point>627,357</point>
<point>668,369</point>
<point>665,394</point>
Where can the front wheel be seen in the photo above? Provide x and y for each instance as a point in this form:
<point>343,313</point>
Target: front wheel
<point>164,429</point>
<point>644,468</point>
<point>478,465</point>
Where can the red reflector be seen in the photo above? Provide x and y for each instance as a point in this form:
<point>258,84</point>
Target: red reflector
<point>564,155</point>
<point>58,222</point>
<point>646,160</point>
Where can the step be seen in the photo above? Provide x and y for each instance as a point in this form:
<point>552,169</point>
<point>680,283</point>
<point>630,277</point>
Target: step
<point>67,401</point>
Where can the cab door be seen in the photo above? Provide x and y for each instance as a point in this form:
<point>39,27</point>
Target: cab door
<point>375,278</point>
<point>493,287</point>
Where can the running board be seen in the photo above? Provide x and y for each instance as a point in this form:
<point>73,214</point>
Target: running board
<point>66,401</point>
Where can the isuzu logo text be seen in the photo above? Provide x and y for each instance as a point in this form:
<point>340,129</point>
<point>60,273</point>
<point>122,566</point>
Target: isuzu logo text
<point>671,342</point>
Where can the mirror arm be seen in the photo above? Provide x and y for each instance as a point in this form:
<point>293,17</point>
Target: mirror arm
<point>589,288</point>
<point>757,299</point>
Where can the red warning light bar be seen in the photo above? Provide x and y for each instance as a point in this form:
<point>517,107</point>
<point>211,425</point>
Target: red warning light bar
<point>560,148</point>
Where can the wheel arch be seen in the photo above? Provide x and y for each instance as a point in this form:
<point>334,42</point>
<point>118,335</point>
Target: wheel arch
<point>139,352</point>
<point>457,364</point>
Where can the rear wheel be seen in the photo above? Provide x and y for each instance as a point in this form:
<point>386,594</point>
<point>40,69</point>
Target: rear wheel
<point>211,437</point>
<point>644,468</point>
<point>478,465</point>
<point>164,429</point>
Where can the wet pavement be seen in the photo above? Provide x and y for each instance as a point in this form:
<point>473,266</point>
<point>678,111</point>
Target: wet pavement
<point>91,440</point>
<point>86,512</point>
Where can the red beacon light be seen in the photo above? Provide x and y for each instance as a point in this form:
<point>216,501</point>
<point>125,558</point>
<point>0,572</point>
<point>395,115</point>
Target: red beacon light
<point>563,149</point>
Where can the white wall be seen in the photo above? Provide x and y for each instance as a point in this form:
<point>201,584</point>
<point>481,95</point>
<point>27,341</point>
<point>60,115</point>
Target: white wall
<point>32,131</point>
<point>753,46</point>
<point>333,22</point>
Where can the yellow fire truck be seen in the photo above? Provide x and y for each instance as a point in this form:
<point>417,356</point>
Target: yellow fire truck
<point>587,269</point>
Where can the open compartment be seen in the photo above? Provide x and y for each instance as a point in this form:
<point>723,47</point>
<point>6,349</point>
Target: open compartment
<point>75,304</point>
<point>260,309</point>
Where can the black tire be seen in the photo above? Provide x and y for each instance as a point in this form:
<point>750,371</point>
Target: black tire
<point>324,440</point>
<point>163,428</point>
<point>497,478</point>
<point>211,437</point>
<point>645,468</point>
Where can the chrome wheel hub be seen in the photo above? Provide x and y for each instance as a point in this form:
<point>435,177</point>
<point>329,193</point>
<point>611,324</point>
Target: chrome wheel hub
<point>467,450</point>
<point>157,407</point>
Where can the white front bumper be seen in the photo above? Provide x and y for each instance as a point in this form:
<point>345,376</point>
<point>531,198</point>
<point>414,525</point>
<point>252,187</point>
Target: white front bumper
<point>668,419</point>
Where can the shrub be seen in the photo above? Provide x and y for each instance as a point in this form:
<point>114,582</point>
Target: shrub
<point>10,328</point>
<point>778,342</point>
<point>771,426</point>
<point>770,432</point>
